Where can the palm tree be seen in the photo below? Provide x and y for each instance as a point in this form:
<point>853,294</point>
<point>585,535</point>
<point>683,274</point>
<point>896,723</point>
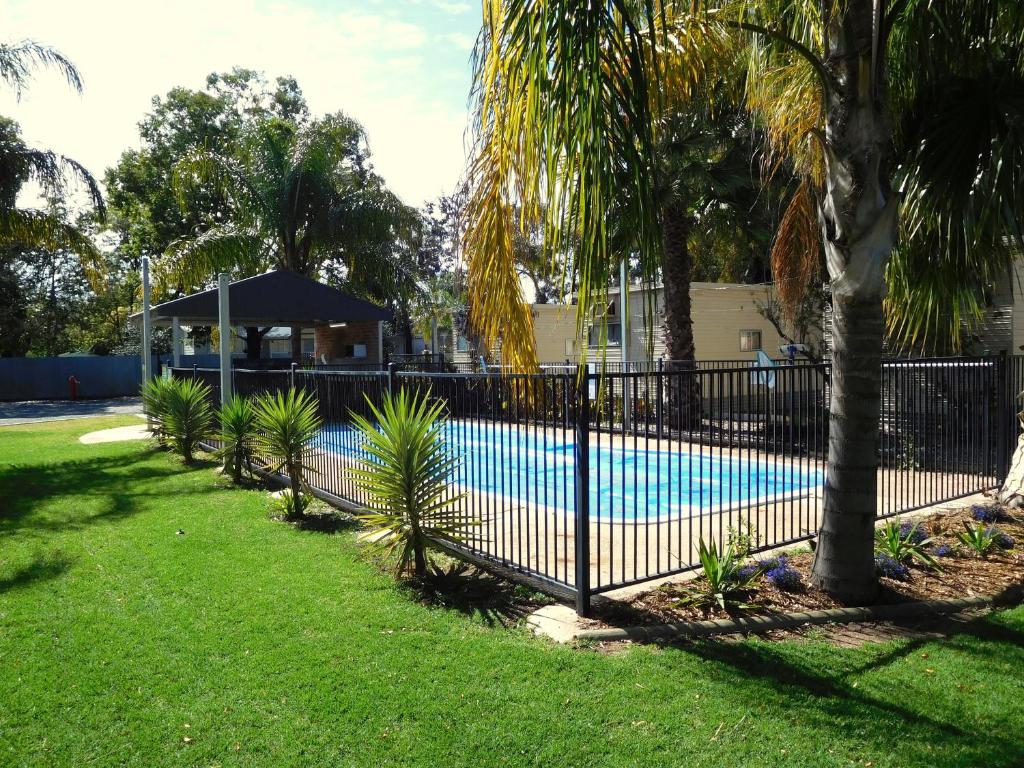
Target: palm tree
<point>300,195</point>
<point>19,163</point>
<point>567,101</point>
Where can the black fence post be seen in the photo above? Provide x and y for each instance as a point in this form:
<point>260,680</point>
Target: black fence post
<point>1004,416</point>
<point>661,394</point>
<point>291,375</point>
<point>582,481</point>
<point>195,371</point>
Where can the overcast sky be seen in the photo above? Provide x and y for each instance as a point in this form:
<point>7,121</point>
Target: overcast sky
<point>400,67</point>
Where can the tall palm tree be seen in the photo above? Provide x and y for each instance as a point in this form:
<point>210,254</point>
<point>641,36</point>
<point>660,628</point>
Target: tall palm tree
<point>567,98</point>
<point>300,195</point>
<point>19,163</point>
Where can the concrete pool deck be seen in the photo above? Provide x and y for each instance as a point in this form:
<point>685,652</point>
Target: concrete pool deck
<point>525,534</point>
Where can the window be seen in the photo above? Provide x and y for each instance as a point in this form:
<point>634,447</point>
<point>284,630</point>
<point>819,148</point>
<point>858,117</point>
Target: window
<point>462,344</point>
<point>614,337</point>
<point>750,341</point>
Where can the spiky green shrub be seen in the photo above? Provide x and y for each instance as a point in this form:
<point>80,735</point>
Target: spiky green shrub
<point>725,582</point>
<point>154,404</point>
<point>405,474</point>
<point>904,542</point>
<point>237,425</point>
<point>286,425</point>
<point>189,416</point>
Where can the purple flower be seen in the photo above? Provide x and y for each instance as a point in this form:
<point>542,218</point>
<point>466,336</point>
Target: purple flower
<point>1002,540</point>
<point>785,578</point>
<point>943,550</point>
<point>770,563</point>
<point>985,514</point>
<point>912,533</point>
<point>890,567</point>
<point>748,572</point>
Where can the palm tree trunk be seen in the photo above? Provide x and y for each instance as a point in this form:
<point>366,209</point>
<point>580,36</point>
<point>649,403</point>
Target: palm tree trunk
<point>253,342</point>
<point>677,267</point>
<point>844,558</point>
<point>296,343</point>
<point>858,210</point>
<point>1012,491</point>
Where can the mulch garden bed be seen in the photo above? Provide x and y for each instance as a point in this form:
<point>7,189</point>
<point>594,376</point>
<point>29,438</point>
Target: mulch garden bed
<point>960,574</point>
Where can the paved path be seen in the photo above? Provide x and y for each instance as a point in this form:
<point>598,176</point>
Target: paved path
<point>58,410</point>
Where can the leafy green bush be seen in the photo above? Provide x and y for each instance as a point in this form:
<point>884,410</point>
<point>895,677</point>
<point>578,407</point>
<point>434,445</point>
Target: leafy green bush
<point>286,425</point>
<point>189,416</point>
<point>237,423</point>
<point>725,582</point>
<point>154,403</point>
<point>405,475</point>
<point>904,542</point>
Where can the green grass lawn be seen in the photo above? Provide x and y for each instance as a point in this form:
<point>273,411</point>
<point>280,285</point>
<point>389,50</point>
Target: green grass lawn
<point>248,642</point>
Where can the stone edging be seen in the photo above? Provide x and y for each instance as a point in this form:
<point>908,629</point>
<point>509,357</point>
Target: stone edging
<point>802,618</point>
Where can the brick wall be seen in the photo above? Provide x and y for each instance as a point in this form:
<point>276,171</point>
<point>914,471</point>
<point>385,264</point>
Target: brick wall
<point>332,342</point>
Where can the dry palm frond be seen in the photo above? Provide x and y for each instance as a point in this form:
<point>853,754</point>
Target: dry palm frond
<point>796,252</point>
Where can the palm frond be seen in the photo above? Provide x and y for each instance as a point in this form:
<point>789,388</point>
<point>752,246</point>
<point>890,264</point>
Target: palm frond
<point>19,60</point>
<point>224,248</point>
<point>796,251</point>
<point>29,228</point>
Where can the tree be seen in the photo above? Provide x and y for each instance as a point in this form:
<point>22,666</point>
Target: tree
<point>300,195</point>
<point>19,163</point>
<point>147,211</point>
<point>567,101</point>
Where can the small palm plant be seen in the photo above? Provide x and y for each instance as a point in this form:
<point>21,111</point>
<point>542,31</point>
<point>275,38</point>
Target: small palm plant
<point>189,416</point>
<point>904,542</point>
<point>405,475</point>
<point>237,423</point>
<point>286,424</point>
<point>154,403</point>
<point>726,583</point>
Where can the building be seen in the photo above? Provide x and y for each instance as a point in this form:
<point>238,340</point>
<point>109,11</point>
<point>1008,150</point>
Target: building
<point>729,323</point>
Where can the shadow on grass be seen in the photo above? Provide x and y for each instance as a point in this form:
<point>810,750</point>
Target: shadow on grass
<point>814,688</point>
<point>112,483</point>
<point>464,588</point>
<point>41,569</point>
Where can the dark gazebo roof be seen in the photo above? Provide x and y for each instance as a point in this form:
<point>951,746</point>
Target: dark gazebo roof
<point>275,298</point>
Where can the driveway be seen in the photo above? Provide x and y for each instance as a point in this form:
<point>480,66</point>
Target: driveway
<point>59,410</point>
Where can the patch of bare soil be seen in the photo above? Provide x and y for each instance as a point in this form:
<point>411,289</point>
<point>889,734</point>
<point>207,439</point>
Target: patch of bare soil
<point>960,574</point>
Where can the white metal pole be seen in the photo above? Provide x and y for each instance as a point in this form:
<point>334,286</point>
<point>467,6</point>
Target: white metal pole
<point>224,319</point>
<point>176,342</point>
<point>147,340</point>
<point>625,332</point>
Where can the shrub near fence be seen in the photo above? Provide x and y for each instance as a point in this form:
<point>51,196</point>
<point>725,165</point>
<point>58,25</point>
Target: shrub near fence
<point>588,481</point>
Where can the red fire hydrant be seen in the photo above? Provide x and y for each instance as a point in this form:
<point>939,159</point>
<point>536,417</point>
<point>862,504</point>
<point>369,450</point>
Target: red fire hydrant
<point>73,386</point>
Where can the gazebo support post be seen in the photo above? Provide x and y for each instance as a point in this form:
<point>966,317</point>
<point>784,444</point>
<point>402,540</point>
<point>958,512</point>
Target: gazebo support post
<point>175,342</point>
<point>224,320</point>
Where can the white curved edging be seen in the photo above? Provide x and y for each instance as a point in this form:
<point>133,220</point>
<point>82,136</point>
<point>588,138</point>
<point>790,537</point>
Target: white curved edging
<point>116,435</point>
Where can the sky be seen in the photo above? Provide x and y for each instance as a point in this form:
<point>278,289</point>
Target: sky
<point>400,67</point>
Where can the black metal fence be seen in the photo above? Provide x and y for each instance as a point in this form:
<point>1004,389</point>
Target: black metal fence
<point>586,480</point>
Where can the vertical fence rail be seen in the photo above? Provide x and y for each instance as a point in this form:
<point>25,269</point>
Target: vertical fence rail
<point>584,480</point>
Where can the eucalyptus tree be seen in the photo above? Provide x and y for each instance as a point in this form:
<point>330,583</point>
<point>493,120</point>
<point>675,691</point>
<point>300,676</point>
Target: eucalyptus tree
<point>568,97</point>
<point>299,196</point>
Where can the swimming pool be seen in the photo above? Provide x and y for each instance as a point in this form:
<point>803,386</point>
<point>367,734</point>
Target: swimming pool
<point>627,484</point>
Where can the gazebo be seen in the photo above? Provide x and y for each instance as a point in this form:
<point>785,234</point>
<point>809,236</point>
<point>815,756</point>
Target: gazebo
<point>347,329</point>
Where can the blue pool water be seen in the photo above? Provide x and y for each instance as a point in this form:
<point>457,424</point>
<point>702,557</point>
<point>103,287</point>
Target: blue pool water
<point>626,484</point>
